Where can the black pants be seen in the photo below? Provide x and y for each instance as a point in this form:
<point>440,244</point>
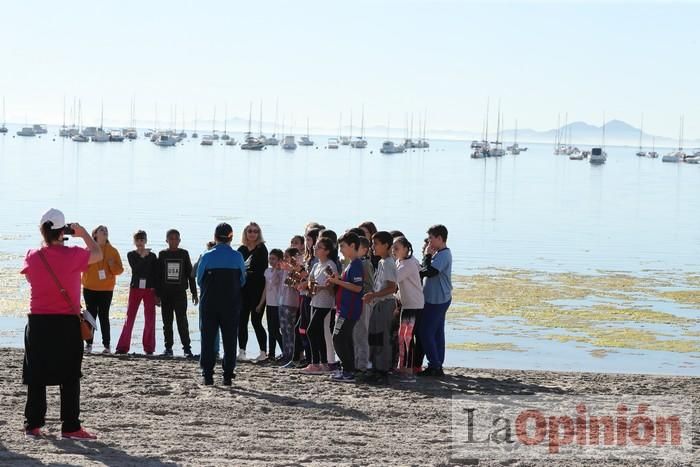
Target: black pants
<point>212,322</point>
<point>35,410</point>
<point>274,336</point>
<point>343,342</point>
<point>175,304</point>
<point>317,335</point>
<point>301,339</point>
<point>97,303</point>
<point>248,313</point>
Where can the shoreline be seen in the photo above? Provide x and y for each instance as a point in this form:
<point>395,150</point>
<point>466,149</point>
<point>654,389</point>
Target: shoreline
<point>154,411</point>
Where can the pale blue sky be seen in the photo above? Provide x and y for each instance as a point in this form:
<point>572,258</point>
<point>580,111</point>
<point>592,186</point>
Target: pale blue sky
<point>323,57</point>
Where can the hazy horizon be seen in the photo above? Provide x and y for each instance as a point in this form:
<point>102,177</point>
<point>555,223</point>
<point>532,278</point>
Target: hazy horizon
<point>323,58</point>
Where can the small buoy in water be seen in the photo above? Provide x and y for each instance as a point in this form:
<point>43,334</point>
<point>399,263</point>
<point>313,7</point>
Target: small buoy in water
<point>54,139</point>
<point>371,152</point>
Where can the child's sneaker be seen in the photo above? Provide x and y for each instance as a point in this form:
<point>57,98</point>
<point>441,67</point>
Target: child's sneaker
<point>241,356</point>
<point>261,358</point>
<point>167,353</point>
<point>88,348</point>
<point>343,377</point>
<point>34,433</point>
<point>312,369</point>
<point>80,434</point>
<point>106,351</point>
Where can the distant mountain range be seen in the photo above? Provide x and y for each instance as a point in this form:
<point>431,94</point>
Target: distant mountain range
<point>617,133</point>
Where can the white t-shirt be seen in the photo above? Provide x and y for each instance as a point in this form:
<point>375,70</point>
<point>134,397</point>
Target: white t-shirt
<point>324,297</point>
<point>273,282</point>
<point>386,272</point>
<point>410,287</point>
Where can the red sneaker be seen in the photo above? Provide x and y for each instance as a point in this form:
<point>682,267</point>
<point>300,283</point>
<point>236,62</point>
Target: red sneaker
<point>80,434</point>
<point>34,433</point>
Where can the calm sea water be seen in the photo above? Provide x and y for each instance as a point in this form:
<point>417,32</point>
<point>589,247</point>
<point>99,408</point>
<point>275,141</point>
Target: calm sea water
<point>534,210</point>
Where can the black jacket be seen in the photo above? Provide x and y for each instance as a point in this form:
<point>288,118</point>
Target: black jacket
<point>175,273</point>
<point>143,268</point>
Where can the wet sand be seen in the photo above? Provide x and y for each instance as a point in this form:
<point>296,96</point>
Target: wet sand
<point>152,411</point>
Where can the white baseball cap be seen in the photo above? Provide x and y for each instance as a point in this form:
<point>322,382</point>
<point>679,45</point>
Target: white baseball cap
<point>56,217</point>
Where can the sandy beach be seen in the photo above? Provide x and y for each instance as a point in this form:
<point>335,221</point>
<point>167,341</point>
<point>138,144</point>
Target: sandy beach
<point>152,411</point>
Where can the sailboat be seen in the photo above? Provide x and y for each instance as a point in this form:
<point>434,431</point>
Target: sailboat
<point>422,142</point>
<point>679,155</point>
<point>225,136</point>
<point>214,136</point>
<point>361,142</point>
<point>514,148</point>
<point>305,140</point>
<point>3,128</point>
<point>64,132</point>
<point>641,153</point>
<point>80,137</point>
<point>481,148</point>
<point>653,154</point>
<point>496,147</point>
<point>131,132</point>
<point>251,143</point>
<point>101,136</point>
<point>598,155</point>
<point>272,140</point>
<point>345,140</point>
<point>195,135</point>
<point>388,146</point>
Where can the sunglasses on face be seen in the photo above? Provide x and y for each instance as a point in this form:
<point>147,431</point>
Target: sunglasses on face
<point>253,231</point>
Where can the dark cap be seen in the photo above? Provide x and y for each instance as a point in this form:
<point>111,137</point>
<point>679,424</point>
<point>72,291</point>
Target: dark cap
<point>223,232</point>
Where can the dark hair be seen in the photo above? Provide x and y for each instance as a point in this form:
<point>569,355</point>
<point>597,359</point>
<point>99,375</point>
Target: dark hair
<point>210,244</point>
<point>292,252</point>
<point>396,234</point>
<point>406,244</point>
<point>351,239</point>
<point>329,234</point>
<point>438,230</point>
<point>172,232</point>
<point>357,231</point>
<point>50,235</point>
<point>333,237</point>
<point>364,241</point>
<point>277,253</point>
<point>369,225</point>
<point>140,235</point>
<point>383,237</point>
<point>309,252</point>
<point>298,238</point>
<point>326,243</point>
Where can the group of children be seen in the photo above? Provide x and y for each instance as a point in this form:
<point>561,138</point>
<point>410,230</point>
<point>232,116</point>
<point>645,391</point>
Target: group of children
<point>362,296</point>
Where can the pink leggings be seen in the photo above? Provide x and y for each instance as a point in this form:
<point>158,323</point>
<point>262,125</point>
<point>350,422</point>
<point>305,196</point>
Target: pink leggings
<point>149,328</point>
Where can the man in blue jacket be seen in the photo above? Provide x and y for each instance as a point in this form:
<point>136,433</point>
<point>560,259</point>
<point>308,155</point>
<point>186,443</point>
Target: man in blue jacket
<point>220,276</point>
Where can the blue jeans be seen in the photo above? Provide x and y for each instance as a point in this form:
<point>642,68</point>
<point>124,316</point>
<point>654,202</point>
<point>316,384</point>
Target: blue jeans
<point>432,333</point>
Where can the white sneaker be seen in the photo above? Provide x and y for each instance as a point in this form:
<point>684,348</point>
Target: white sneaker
<point>241,355</point>
<point>107,351</point>
<point>261,358</point>
<point>88,348</point>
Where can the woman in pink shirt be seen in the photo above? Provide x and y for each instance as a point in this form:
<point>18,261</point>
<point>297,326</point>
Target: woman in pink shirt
<point>53,345</point>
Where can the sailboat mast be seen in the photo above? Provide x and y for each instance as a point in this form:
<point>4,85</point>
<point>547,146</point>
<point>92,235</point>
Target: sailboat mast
<point>641,131</point>
<point>261,117</point>
<point>362,123</point>
<point>486,130</point>
<point>225,117</point>
<point>277,105</point>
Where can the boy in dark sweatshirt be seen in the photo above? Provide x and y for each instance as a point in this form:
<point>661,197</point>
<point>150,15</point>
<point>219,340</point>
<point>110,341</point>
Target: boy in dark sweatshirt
<point>176,276</point>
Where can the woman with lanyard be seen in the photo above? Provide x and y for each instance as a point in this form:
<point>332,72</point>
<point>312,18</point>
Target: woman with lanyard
<point>53,341</point>
<point>255,256</point>
<point>98,285</point>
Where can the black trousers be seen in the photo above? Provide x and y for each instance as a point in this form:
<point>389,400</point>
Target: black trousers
<point>248,313</point>
<point>343,343</point>
<point>97,303</point>
<point>274,336</point>
<point>35,410</point>
<point>317,335</point>
<point>175,305</point>
<point>301,339</point>
<point>212,322</point>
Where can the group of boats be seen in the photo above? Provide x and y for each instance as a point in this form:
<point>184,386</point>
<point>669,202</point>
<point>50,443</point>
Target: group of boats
<point>485,148</point>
